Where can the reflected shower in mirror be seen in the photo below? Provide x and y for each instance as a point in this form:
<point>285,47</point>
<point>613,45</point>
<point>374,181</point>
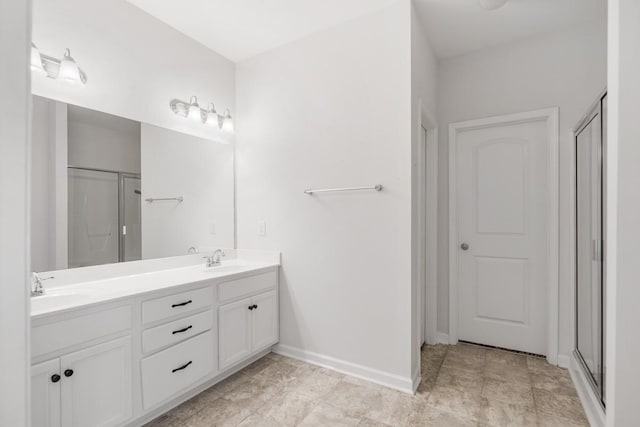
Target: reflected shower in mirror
<point>108,189</point>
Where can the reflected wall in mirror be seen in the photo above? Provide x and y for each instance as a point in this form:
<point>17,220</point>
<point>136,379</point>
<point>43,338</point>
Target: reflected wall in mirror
<point>107,189</point>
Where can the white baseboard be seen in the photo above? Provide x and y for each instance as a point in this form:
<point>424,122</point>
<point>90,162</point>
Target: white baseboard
<point>442,338</point>
<point>564,361</point>
<point>396,382</point>
<point>592,408</point>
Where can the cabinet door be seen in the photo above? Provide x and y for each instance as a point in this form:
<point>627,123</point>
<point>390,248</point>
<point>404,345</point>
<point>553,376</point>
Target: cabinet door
<point>97,385</point>
<point>264,320</point>
<point>234,322</point>
<point>45,394</point>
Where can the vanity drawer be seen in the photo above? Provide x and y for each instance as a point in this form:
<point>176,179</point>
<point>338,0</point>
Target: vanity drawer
<point>247,286</point>
<point>61,334</point>
<point>172,305</point>
<point>168,372</point>
<point>178,330</point>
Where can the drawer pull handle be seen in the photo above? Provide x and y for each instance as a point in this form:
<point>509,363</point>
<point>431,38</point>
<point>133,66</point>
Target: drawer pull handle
<point>182,367</point>
<point>179,331</point>
<point>181,304</point>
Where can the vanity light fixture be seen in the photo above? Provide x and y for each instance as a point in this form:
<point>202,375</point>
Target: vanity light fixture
<point>208,117</point>
<point>65,69</point>
<point>227,122</point>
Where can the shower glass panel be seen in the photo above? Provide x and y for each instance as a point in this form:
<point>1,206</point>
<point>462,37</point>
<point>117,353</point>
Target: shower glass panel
<point>589,249</point>
<point>92,217</point>
<point>131,231</point>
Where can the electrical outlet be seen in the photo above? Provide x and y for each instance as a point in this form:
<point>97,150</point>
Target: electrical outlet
<point>262,228</point>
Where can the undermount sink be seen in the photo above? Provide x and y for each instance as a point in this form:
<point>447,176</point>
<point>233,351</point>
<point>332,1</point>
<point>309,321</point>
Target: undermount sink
<point>224,268</point>
<point>56,298</point>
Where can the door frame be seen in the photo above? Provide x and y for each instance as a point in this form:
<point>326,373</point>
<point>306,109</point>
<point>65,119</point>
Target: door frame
<point>428,291</point>
<point>551,117</point>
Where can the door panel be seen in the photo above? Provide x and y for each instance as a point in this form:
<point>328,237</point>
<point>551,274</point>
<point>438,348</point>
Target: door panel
<point>264,320</point>
<point>502,208</point>
<point>99,391</point>
<point>234,331</point>
<point>45,394</point>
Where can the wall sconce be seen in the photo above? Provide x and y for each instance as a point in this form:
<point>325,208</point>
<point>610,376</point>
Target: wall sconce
<point>208,117</point>
<point>65,69</point>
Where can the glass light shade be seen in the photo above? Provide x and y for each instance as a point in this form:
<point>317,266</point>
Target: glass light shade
<point>36,60</point>
<point>69,70</point>
<point>212,117</point>
<point>491,4</point>
<point>227,123</point>
<point>194,109</point>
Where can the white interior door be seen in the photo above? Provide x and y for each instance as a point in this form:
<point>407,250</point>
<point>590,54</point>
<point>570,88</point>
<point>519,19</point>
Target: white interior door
<point>502,185</point>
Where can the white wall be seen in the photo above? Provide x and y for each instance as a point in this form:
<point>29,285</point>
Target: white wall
<point>423,101</point>
<point>201,171</point>
<point>623,211</point>
<point>566,69</point>
<point>103,141</point>
<point>135,64</point>
<point>15,39</point>
<point>333,110</point>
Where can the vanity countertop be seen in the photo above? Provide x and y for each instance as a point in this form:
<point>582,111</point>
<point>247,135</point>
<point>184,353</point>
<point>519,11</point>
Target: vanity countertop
<point>58,299</point>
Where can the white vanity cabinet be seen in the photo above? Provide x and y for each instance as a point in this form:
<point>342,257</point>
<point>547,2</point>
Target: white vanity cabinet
<point>250,324</point>
<point>122,363</point>
<point>89,387</point>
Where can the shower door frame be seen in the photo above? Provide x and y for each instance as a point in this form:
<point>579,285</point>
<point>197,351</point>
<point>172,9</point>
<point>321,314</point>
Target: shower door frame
<point>121,177</point>
<point>595,111</point>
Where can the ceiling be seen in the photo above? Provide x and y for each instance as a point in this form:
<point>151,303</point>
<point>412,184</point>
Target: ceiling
<point>240,29</point>
<point>456,27</point>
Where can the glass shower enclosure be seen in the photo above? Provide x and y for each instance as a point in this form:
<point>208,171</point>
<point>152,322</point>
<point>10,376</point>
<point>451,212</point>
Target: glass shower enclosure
<point>590,145</point>
<point>103,217</point>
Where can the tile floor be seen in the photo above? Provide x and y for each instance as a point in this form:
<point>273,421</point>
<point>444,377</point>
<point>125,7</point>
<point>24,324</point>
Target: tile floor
<point>462,385</point>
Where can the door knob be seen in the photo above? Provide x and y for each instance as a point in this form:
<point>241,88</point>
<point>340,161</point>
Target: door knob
<point>464,246</point>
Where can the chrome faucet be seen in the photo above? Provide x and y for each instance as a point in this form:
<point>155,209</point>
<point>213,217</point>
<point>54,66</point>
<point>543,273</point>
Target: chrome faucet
<point>214,259</point>
<point>37,288</point>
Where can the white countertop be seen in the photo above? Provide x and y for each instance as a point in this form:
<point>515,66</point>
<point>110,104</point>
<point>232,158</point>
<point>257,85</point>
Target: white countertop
<point>58,299</point>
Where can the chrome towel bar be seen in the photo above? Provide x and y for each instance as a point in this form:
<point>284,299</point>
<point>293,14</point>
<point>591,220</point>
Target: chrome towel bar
<point>376,187</point>
<point>164,199</point>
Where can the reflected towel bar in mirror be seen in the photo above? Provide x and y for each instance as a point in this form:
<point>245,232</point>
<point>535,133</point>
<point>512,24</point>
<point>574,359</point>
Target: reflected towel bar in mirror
<point>376,187</point>
<point>164,199</point>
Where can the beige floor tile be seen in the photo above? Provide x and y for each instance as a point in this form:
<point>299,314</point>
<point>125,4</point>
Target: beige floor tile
<point>519,393</point>
<point>254,393</point>
<point>329,416</point>
<point>545,420</point>
<point>498,371</point>
<point>464,404</point>
<point>464,380</point>
<point>436,417</point>
<point>194,405</point>
<point>503,414</point>
<point>365,422</point>
<point>221,413</point>
<point>558,405</point>
<point>312,382</point>
<point>231,383</point>
<point>256,420</point>
<point>276,371</point>
<point>463,361</point>
<point>288,409</point>
<point>506,358</point>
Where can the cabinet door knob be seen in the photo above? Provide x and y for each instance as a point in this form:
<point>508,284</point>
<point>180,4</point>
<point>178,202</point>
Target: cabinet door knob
<point>250,307</point>
<point>255,305</point>
<point>464,246</point>
<point>55,378</point>
<point>68,372</point>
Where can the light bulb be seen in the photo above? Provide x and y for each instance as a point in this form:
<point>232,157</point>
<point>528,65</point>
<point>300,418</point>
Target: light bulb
<point>194,109</point>
<point>227,122</point>
<point>212,116</point>
<point>36,60</point>
<point>69,70</point>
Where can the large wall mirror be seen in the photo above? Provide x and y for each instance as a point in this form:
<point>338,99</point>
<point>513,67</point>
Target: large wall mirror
<point>108,189</point>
